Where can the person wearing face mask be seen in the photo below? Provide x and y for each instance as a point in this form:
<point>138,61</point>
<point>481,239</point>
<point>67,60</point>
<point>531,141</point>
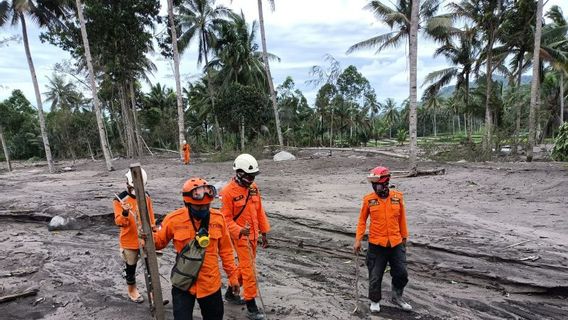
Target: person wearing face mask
<point>196,220</point>
<point>127,217</point>
<point>246,220</point>
<point>387,237</point>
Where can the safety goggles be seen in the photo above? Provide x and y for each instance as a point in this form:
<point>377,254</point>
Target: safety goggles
<point>200,192</point>
<point>379,179</point>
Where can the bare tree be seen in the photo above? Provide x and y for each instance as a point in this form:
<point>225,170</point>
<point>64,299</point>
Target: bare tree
<point>96,102</point>
<point>181,127</point>
<point>535,93</point>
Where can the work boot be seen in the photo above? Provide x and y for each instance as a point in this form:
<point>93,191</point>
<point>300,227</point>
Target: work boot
<point>375,307</point>
<point>253,313</point>
<point>398,301</point>
<point>232,298</point>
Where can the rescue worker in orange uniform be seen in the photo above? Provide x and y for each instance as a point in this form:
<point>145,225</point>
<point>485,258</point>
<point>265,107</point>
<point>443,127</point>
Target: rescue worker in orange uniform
<point>387,237</point>
<point>181,226</point>
<point>127,217</point>
<point>246,219</point>
<point>186,151</point>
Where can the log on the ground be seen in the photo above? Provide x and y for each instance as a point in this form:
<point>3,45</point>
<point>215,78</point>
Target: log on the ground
<point>427,172</point>
<point>14,296</point>
<point>165,150</point>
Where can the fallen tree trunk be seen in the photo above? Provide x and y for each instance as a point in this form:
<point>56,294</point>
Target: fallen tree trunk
<point>165,150</point>
<point>428,172</point>
<point>14,296</point>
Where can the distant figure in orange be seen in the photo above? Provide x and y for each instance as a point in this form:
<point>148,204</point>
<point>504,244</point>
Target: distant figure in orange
<point>186,151</point>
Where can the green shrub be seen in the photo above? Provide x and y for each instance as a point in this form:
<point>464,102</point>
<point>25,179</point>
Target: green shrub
<point>560,149</point>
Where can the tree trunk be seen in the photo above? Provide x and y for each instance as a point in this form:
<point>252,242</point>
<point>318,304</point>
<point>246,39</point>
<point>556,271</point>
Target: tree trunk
<point>331,129</point>
<point>435,131</point>
<point>412,57</point>
<point>129,133</point>
<point>5,148</point>
<point>488,83</point>
<point>218,137</point>
<point>518,109</point>
<point>42,126</point>
<point>534,82</point>
<point>98,113</point>
<point>118,123</point>
<point>242,133</point>
<point>268,75</point>
<point>181,126</point>
<point>90,150</point>
<point>561,97</point>
<point>138,139</point>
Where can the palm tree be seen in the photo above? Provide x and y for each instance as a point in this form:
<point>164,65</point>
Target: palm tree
<point>328,77</point>
<point>433,104</point>
<point>181,126</point>
<point>267,70</point>
<point>93,83</point>
<point>405,17</point>
<point>199,20</point>
<point>554,49</point>
<point>44,13</point>
<point>412,57</point>
<point>487,16</point>
<point>535,79</point>
<point>462,55</point>
<point>238,60</point>
<point>391,114</point>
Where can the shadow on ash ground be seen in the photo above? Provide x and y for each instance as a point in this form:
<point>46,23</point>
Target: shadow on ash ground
<point>474,235</point>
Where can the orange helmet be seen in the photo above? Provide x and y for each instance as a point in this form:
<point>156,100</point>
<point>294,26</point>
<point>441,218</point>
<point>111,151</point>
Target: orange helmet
<point>198,191</point>
<point>379,175</point>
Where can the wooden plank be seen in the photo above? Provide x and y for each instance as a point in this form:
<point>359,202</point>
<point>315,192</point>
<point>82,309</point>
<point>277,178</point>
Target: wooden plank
<point>151,259</point>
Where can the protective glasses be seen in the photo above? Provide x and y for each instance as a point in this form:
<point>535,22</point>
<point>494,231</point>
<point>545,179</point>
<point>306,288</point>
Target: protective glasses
<point>200,192</point>
<point>379,179</point>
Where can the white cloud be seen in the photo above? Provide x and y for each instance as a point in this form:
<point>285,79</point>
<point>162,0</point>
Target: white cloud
<point>300,32</point>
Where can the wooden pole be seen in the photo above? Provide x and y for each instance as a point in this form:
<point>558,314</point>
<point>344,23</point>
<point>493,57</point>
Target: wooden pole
<point>154,289</point>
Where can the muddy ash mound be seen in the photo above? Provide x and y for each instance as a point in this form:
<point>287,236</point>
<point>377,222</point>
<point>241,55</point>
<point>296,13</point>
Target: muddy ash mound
<point>488,241</point>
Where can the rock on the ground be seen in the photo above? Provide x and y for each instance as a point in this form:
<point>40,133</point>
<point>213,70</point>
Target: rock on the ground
<point>284,156</point>
<point>61,223</point>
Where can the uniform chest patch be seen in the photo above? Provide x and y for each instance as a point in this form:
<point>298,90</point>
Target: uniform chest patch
<point>253,191</point>
<point>238,198</point>
<point>373,202</point>
<point>215,226</point>
<point>395,200</point>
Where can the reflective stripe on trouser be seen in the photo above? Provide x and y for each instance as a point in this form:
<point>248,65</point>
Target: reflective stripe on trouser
<point>377,259</point>
<point>245,267</point>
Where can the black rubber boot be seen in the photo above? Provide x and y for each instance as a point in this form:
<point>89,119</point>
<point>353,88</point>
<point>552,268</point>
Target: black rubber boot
<point>253,313</point>
<point>232,298</point>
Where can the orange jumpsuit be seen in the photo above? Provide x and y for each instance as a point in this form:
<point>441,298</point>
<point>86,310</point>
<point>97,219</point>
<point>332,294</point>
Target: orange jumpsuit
<point>388,219</point>
<point>128,228</point>
<point>186,150</point>
<point>234,197</point>
<point>178,226</point>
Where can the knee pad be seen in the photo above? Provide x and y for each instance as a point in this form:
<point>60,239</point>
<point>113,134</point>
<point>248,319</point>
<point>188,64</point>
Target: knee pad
<point>130,272</point>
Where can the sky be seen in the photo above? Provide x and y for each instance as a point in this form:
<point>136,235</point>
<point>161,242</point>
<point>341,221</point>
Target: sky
<point>299,32</point>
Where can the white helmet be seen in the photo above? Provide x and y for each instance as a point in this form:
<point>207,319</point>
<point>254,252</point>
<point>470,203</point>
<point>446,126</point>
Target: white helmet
<point>247,163</point>
<point>183,142</point>
<point>129,180</point>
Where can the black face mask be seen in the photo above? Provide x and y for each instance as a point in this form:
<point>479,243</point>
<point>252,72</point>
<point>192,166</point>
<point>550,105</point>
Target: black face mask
<point>381,189</point>
<point>244,179</point>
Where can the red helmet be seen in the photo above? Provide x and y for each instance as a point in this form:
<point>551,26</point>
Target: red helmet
<point>379,175</point>
<point>198,191</point>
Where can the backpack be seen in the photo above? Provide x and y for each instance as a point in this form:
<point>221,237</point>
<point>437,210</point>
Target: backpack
<point>187,266</point>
